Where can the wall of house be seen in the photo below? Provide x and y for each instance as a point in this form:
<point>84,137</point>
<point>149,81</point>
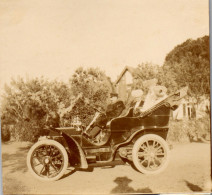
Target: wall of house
<point>129,78</point>
<point>124,85</point>
<point>122,88</point>
<point>189,109</point>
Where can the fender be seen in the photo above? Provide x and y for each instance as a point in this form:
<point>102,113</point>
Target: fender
<point>138,130</point>
<point>71,144</point>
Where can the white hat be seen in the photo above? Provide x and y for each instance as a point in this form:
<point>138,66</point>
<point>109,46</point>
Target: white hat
<point>137,93</point>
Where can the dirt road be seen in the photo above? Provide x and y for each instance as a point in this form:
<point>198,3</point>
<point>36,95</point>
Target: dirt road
<point>188,171</point>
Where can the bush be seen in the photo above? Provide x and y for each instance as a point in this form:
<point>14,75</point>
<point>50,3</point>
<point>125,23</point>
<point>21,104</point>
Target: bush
<point>5,133</point>
<point>26,103</point>
<point>189,130</point>
<point>27,131</point>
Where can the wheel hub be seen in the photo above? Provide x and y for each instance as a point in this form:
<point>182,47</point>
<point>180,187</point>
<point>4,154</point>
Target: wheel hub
<point>47,160</point>
<point>152,154</point>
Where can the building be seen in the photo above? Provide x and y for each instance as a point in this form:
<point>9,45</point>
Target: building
<point>189,108</point>
<point>124,82</point>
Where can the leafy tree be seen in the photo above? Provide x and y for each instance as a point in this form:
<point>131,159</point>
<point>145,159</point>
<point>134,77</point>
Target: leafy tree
<point>90,88</point>
<point>148,72</point>
<point>189,64</point>
<point>166,78</point>
<point>26,103</point>
<point>145,72</point>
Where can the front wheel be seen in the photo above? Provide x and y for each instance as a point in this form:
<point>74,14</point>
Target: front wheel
<point>150,154</point>
<point>47,160</point>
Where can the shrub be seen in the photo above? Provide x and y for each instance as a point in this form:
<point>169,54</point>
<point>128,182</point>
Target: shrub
<point>5,133</point>
<point>27,131</point>
<point>189,130</point>
<point>27,103</point>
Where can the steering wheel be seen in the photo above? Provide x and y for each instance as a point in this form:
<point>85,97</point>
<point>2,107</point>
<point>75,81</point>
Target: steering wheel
<point>98,110</point>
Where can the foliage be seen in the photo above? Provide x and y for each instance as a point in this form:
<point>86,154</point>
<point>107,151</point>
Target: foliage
<point>29,105</point>
<point>189,130</point>
<point>26,103</point>
<point>167,78</point>
<point>27,130</point>
<point>147,71</point>
<point>90,88</point>
<point>189,64</point>
<point>5,133</point>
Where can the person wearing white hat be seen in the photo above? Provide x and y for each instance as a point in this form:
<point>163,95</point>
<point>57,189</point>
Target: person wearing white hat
<point>137,94</point>
<point>155,95</point>
<point>134,101</point>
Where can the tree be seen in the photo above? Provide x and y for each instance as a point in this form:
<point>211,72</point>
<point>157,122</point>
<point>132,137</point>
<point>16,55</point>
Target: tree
<point>26,103</point>
<point>166,78</point>
<point>90,88</point>
<point>145,72</point>
<point>148,71</point>
<point>189,64</point>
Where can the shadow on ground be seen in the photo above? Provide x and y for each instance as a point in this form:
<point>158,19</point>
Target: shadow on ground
<point>123,186</point>
<point>16,161</point>
<point>70,172</point>
<point>192,187</point>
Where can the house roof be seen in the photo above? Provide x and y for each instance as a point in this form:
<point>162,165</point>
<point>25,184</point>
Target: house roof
<point>134,71</point>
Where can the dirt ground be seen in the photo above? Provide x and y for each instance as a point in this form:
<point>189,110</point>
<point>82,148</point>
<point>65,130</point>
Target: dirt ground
<point>188,171</point>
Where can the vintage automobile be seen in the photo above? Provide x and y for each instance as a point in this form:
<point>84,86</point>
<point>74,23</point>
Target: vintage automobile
<point>138,140</point>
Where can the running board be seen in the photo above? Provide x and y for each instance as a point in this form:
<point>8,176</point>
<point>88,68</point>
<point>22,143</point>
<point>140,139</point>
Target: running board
<point>106,163</point>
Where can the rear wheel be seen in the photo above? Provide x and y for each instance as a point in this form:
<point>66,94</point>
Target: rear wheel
<point>150,154</point>
<point>47,160</point>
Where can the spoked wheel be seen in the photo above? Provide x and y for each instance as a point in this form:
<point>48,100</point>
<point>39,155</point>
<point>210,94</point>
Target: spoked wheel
<point>47,160</point>
<point>150,154</point>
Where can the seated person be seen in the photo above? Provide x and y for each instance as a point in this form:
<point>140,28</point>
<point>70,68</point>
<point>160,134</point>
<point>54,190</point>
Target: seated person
<point>135,100</point>
<point>154,96</point>
<point>115,107</point>
<point>113,110</point>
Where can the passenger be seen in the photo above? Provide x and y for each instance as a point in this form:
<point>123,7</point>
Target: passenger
<point>138,95</point>
<point>154,96</point>
<point>135,100</point>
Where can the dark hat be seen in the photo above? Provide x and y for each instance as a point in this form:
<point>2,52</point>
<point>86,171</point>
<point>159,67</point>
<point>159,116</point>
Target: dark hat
<point>123,180</point>
<point>113,95</point>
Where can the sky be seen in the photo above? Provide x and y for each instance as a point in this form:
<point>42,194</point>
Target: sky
<point>54,37</point>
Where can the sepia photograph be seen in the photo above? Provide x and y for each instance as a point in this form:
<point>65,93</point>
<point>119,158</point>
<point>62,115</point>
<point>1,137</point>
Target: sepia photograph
<point>105,97</point>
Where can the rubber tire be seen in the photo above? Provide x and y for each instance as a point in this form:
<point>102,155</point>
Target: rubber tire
<point>136,146</point>
<point>48,142</point>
